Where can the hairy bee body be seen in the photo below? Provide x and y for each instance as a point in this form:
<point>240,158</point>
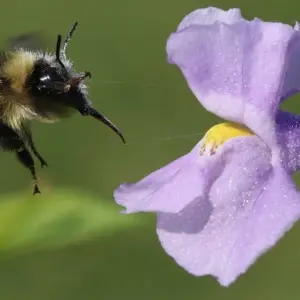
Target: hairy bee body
<point>18,105</point>
<point>42,86</point>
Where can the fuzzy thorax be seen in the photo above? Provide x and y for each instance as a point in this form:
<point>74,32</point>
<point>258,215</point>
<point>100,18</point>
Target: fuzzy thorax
<point>220,133</point>
<point>17,68</point>
<point>14,101</point>
<point>17,105</point>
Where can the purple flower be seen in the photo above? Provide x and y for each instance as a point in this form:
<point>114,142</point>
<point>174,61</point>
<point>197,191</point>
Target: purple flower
<point>232,197</point>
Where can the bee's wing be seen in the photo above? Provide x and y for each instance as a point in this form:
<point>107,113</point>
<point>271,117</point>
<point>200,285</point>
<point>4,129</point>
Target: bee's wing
<point>32,41</point>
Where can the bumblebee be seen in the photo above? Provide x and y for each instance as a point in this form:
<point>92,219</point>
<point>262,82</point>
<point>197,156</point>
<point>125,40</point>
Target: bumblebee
<point>43,86</point>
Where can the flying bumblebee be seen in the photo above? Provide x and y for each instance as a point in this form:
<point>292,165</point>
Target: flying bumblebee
<point>37,85</point>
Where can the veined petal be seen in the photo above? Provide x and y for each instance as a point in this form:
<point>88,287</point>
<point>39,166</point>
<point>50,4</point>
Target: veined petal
<point>239,70</point>
<point>246,211</point>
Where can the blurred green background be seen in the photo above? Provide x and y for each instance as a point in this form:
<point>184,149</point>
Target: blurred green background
<point>71,242</point>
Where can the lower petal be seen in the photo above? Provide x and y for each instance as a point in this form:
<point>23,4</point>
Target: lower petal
<point>172,187</point>
<point>233,236</point>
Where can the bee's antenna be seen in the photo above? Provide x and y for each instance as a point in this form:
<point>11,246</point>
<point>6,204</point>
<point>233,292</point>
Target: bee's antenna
<point>57,51</point>
<point>67,40</point>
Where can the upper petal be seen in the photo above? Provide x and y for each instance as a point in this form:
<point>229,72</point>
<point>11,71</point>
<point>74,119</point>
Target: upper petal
<point>238,70</point>
<point>210,15</point>
<point>251,205</point>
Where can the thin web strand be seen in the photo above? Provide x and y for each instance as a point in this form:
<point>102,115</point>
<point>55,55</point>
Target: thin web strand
<point>169,138</point>
<point>162,139</point>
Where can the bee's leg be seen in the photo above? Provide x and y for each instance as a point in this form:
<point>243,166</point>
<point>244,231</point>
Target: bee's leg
<point>36,153</point>
<point>11,141</point>
<point>28,137</point>
<point>27,161</point>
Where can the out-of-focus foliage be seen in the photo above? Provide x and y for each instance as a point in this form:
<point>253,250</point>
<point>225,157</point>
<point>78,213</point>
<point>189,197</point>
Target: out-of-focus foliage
<point>71,242</point>
<point>28,223</point>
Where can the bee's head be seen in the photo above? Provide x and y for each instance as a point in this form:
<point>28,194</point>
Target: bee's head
<point>54,80</point>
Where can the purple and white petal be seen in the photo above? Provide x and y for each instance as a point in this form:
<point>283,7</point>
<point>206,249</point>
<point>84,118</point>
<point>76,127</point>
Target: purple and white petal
<point>172,187</point>
<point>238,70</point>
<point>246,211</point>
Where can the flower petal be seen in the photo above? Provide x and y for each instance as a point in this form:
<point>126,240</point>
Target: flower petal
<point>248,208</point>
<point>288,130</point>
<point>237,69</point>
<point>210,15</point>
<point>291,84</point>
<point>172,187</point>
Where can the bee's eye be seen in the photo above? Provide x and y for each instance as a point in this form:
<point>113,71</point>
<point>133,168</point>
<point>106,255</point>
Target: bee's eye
<point>48,79</point>
<point>45,78</point>
<point>51,83</point>
<point>45,82</point>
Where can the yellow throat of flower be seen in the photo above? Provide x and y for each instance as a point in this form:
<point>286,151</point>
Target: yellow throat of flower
<point>220,133</point>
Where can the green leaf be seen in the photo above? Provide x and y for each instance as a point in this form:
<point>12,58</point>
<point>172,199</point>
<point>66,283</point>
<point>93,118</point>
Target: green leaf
<point>31,223</point>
